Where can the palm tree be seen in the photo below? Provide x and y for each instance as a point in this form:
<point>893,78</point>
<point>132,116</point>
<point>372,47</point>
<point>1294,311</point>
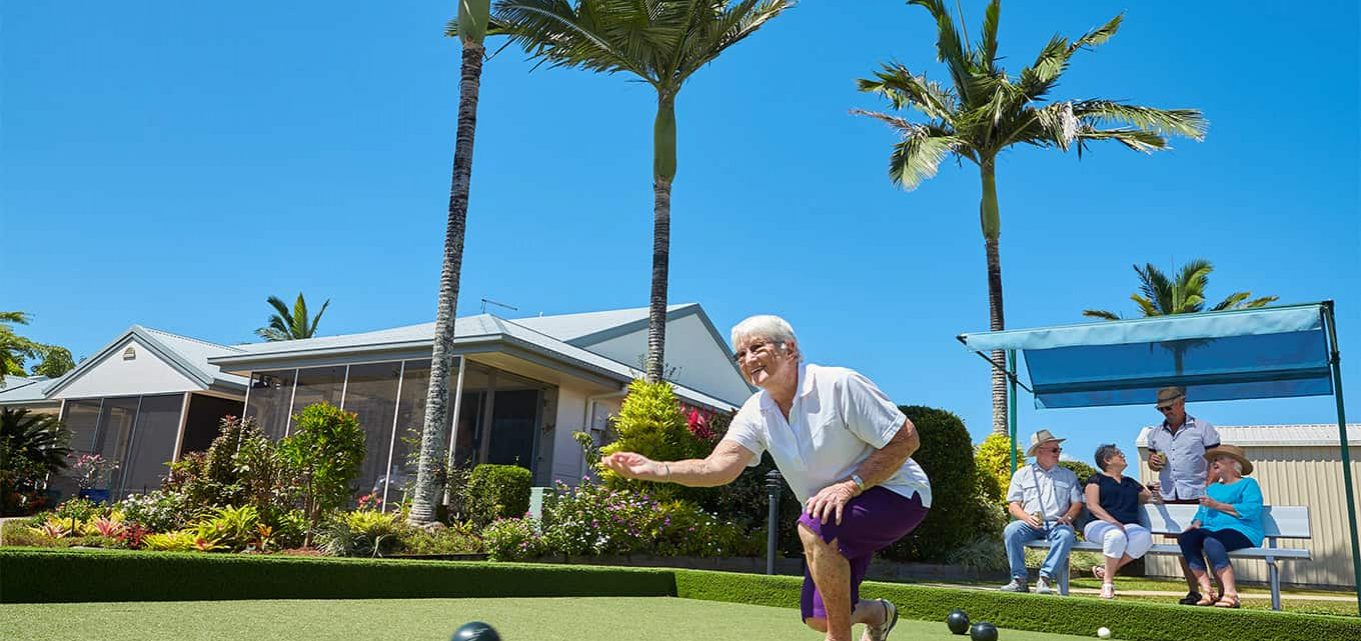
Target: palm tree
<point>32,447</point>
<point>470,27</point>
<point>984,111</point>
<point>14,349</point>
<point>1160,296</point>
<point>285,325</point>
<point>663,43</point>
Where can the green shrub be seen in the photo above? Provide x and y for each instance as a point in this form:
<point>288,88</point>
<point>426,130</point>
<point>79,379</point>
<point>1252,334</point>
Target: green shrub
<point>592,519</point>
<point>157,511</point>
<point>994,459</point>
<point>513,539</point>
<point>496,491</point>
<point>1082,470</point>
<point>233,528</point>
<point>78,510</point>
<point>324,452</point>
<point>687,530</point>
<point>651,423</point>
<point>458,538</point>
<point>32,447</point>
<point>959,513</point>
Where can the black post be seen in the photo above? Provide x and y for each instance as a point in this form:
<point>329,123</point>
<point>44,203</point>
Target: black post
<point>774,485</point>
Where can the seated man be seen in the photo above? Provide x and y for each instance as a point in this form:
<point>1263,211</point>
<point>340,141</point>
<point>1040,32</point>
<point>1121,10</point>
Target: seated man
<point>1044,499</point>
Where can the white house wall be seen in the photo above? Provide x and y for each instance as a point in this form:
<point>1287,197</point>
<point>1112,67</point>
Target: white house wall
<point>693,358</point>
<point>113,376</point>
<point>568,463</point>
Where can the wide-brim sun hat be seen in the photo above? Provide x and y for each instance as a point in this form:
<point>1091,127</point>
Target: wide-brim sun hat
<point>1232,451</point>
<point>1040,438</point>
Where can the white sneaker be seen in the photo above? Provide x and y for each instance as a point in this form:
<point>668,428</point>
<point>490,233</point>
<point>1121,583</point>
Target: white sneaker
<point>1042,586</point>
<point>1016,585</point>
<point>880,632</point>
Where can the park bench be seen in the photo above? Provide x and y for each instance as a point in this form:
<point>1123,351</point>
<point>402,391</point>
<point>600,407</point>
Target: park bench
<point>1281,522</point>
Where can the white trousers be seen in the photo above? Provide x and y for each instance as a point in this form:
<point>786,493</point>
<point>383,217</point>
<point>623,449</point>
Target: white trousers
<point>1134,541</point>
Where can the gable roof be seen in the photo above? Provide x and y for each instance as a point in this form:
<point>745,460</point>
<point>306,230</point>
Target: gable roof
<point>573,328</point>
<point>188,356</point>
<point>471,330</point>
<point>23,389</point>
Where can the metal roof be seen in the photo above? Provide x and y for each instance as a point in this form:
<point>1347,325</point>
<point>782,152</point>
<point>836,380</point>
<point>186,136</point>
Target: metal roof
<point>23,389</point>
<point>570,327</point>
<point>187,355</point>
<point>1293,435</point>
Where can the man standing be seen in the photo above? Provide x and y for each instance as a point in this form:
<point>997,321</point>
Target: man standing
<point>1044,498</point>
<point>1176,451</point>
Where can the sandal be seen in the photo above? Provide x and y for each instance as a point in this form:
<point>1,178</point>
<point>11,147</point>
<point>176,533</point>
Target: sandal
<point>1107,590</point>
<point>1099,571</point>
<point>1228,601</point>
<point>1207,599</point>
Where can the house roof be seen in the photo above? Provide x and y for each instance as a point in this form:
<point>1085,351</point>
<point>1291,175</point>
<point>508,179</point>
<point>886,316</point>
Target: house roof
<point>572,327</point>
<point>187,355</point>
<point>1294,435</point>
<point>23,389</point>
<point>471,330</point>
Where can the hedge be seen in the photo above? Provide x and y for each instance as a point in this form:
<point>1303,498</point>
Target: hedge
<point>52,576</point>
<point>1078,616</point>
<point>48,576</point>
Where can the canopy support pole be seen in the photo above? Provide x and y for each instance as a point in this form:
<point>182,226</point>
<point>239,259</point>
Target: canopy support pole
<point>1335,359</point>
<point>1011,404</point>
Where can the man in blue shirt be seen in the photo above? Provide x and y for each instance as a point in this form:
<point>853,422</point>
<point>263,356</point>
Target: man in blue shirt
<point>1177,453</point>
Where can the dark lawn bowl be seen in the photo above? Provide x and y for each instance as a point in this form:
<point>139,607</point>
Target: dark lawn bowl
<point>958,622</point>
<point>983,631</point>
<point>476,631</point>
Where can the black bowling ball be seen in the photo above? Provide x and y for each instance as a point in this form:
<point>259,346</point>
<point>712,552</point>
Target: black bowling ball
<point>958,622</point>
<point>476,631</point>
<point>983,631</point>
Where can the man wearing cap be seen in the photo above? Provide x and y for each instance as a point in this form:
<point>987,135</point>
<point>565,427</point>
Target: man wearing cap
<point>1177,453</point>
<point>1044,498</point>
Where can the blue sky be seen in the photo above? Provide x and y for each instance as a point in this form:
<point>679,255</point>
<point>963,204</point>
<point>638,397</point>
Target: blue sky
<point>172,164</point>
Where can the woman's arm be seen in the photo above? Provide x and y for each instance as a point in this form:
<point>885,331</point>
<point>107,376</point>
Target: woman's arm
<point>721,467</point>
<point>1093,494</point>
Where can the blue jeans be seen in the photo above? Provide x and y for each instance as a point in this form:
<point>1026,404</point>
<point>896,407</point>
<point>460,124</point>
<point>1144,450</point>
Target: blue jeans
<point>1199,544</point>
<point>1060,537</point>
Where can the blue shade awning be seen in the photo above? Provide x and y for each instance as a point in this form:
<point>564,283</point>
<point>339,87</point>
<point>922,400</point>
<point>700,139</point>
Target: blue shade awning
<point>1217,356</point>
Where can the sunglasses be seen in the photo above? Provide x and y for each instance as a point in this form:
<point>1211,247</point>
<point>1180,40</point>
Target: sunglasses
<point>1055,450</point>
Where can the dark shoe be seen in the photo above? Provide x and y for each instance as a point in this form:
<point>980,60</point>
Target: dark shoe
<point>1191,598</point>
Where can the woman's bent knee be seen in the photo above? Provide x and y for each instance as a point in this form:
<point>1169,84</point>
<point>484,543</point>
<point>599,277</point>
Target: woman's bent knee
<point>818,625</point>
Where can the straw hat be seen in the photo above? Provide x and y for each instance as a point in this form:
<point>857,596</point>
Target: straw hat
<point>1232,451</point>
<point>1040,438</point>
<point>1169,395</point>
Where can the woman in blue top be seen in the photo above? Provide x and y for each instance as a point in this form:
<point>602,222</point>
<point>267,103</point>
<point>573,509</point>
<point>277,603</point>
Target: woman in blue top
<point>1229,518</point>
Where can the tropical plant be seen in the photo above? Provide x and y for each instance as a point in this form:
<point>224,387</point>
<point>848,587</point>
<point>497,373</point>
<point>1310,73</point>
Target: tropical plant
<point>470,27</point>
<point>177,541</point>
<point>1159,295</point>
<point>91,470</point>
<point>324,451</point>
<point>513,539</point>
<point>286,325</point>
<point>650,422</point>
<point>993,457</point>
<point>663,43</point>
<point>32,446</point>
<point>15,350</point>
<point>984,111</point>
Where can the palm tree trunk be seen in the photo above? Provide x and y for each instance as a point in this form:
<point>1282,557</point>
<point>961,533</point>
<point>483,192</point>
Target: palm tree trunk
<point>428,472</point>
<point>663,172</point>
<point>991,223</point>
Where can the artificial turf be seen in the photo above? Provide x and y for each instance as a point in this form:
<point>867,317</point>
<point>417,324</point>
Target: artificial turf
<point>517,619</point>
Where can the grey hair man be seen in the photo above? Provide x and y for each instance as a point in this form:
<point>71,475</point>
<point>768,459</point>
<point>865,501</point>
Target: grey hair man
<point>1176,451</point>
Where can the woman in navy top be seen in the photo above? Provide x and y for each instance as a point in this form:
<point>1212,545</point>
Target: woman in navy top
<point>1113,499</point>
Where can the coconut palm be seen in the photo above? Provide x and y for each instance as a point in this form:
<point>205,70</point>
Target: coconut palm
<point>1159,295</point>
<point>286,325</point>
<point>984,110</point>
<point>470,27</point>
<point>663,43</point>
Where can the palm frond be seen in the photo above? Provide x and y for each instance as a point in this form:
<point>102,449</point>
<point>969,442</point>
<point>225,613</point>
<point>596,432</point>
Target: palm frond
<point>987,45</point>
<point>312,328</point>
<point>1101,313</point>
<point>1146,306</point>
<point>950,48</point>
<point>1262,301</point>
<point>904,89</point>
<point>17,318</point>
<point>1165,122</point>
<point>1231,301</point>
<point>917,155</point>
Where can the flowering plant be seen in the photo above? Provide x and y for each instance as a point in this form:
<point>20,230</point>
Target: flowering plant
<point>90,470</point>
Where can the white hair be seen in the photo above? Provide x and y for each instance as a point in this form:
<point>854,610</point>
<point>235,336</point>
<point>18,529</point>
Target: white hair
<point>1238,467</point>
<point>772,328</point>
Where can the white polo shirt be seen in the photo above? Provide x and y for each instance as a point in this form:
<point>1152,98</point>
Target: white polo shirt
<point>837,420</point>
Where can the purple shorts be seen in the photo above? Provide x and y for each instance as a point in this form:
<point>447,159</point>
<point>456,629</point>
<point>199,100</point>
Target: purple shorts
<point>870,522</point>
